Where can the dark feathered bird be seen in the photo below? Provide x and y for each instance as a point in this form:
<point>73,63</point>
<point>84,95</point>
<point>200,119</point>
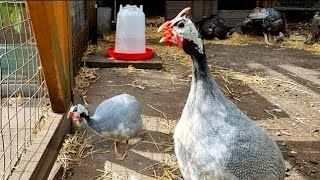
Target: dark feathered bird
<point>213,27</point>
<point>213,138</point>
<point>264,21</point>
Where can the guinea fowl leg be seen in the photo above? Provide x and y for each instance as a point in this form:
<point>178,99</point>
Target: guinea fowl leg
<point>119,155</point>
<point>126,151</point>
<point>116,146</point>
<point>266,40</point>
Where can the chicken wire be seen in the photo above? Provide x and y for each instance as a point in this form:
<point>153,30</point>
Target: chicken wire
<point>24,100</point>
<point>80,30</point>
<point>298,4</point>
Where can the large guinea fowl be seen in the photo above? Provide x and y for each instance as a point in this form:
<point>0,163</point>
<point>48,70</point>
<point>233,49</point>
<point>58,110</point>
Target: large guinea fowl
<point>213,138</point>
<point>266,21</point>
<point>213,27</point>
<point>118,118</point>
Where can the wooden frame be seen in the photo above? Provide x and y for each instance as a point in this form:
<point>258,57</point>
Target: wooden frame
<point>51,24</point>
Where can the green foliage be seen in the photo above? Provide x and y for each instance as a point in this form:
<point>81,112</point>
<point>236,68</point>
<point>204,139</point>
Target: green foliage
<point>10,14</point>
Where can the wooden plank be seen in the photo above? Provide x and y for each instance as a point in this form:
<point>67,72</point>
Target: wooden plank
<point>174,7</point>
<point>92,14</point>
<point>210,7</point>
<point>233,17</point>
<point>52,150</point>
<point>170,14</point>
<point>51,28</point>
<point>178,5</point>
<point>99,61</point>
<point>38,160</point>
<point>197,10</point>
<point>62,15</point>
<point>295,9</point>
<point>233,13</point>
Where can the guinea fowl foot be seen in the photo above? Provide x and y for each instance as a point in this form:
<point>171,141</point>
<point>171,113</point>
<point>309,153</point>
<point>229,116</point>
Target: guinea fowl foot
<point>122,157</point>
<point>267,39</point>
<point>119,155</point>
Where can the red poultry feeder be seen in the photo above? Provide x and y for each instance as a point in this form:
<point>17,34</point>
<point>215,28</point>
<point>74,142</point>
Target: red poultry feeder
<point>130,56</point>
<point>130,42</point>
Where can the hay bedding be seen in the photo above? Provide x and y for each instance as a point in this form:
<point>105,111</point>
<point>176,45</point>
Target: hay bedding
<point>237,39</point>
<point>297,42</point>
<point>74,150</point>
<point>85,77</point>
<point>293,41</point>
<point>270,83</point>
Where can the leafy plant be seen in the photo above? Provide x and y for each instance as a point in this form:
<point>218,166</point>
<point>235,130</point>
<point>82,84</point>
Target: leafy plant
<point>10,14</point>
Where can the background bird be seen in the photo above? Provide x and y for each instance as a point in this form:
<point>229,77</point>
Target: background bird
<point>213,138</point>
<point>264,21</point>
<point>118,118</point>
<point>314,34</point>
<point>213,27</point>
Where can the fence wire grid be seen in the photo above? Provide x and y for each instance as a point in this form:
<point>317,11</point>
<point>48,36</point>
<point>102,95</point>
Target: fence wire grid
<point>24,99</point>
<point>80,30</point>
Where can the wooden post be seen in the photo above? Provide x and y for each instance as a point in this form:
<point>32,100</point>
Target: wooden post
<point>92,13</point>
<point>197,10</point>
<point>215,7</point>
<point>51,23</point>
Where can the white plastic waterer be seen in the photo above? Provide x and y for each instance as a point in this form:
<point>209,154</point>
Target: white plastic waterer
<point>130,30</point>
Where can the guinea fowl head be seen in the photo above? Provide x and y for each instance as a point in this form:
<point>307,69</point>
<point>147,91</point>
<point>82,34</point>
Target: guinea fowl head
<point>78,112</point>
<point>182,31</point>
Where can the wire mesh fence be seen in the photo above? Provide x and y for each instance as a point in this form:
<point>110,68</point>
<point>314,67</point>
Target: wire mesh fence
<point>80,30</point>
<point>24,100</point>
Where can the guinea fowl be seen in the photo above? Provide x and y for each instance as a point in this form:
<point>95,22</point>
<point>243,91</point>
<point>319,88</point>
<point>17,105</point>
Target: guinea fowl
<point>314,34</point>
<point>213,138</point>
<point>118,118</point>
<point>266,21</point>
<point>213,27</point>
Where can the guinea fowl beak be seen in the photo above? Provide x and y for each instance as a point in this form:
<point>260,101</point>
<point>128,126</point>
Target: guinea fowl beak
<point>170,36</point>
<point>70,114</point>
<point>165,26</point>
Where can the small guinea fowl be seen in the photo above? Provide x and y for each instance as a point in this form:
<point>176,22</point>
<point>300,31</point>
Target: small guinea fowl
<point>118,118</point>
<point>213,138</point>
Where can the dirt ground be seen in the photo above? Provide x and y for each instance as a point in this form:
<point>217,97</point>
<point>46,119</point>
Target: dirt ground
<point>277,87</point>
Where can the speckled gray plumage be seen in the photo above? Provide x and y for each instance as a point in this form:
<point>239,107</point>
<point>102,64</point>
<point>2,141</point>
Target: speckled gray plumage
<point>118,118</point>
<point>215,140</point>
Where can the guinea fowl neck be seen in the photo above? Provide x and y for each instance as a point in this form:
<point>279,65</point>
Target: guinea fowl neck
<point>203,87</point>
<point>86,117</point>
<point>200,67</point>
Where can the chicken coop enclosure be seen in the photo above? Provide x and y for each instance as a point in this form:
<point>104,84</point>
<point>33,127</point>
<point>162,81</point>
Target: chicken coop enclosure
<point>37,55</point>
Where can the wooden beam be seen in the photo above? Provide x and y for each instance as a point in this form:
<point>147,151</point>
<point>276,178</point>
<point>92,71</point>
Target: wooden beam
<point>51,152</point>
<point>92,14</point>
<point>197,10</point>
<point>50,20</point>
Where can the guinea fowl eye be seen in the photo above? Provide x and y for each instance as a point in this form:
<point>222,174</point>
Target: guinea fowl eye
<point>181,25</point>
<point>75,109</point>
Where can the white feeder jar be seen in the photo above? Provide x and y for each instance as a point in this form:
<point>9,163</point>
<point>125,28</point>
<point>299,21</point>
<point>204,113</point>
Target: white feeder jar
<point>130,30</point>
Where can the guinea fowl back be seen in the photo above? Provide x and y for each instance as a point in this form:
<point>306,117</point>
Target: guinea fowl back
<point>106,117</point>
